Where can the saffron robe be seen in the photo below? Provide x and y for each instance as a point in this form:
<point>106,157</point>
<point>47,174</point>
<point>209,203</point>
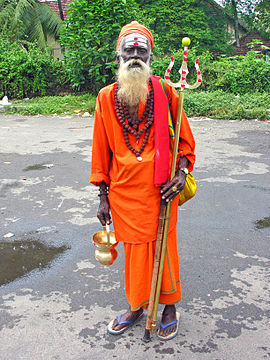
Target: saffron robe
<point>134,200</point>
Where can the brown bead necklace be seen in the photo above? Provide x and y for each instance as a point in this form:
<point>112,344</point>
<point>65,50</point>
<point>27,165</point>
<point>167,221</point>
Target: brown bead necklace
<point>131,126</point>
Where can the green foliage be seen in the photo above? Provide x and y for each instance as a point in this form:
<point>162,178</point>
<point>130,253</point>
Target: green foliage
<point>220,105</point>
<point>60,105</point>
<point>159,66</point>
<point>260,20</point>
<point>172,20</point>
<point>255,14</point>
<point>28,73</point>
<point>254,43</point>
<point>238,75</point>
<point>89,37</point>
<point>243,6</point>
<point>28,20</point>
<point>217,104</point>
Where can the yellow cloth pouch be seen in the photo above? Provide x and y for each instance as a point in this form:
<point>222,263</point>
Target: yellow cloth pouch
<point>189,190</point>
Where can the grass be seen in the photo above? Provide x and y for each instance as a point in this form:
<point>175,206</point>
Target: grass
<point>221,105</point>
<point>60,105</point>
<point>217,104</point>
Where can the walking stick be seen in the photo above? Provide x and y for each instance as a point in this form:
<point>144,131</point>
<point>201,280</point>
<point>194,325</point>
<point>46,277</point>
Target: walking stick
<point>156,279</point>
<point>149,320</point>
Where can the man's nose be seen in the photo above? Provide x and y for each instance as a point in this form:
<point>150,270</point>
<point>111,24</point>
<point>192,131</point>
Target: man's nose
<point>135,54</point>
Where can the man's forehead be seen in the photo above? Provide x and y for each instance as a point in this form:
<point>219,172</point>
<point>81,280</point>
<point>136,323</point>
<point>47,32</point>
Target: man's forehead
<point>135,39</point>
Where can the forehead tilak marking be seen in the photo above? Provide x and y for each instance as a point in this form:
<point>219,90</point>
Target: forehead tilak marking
<point>136,40</point>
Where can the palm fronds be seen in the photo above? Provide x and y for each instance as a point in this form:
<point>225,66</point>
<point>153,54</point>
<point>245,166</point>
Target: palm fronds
<point>28,20</point>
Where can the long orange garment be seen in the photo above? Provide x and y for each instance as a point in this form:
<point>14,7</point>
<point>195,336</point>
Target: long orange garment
<point>134,200</point>
<point>139,260</point>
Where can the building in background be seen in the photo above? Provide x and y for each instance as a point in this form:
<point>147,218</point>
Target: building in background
<point>59,6</point>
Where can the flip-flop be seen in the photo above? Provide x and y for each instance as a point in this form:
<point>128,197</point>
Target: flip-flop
<point>173,334</point>
<point>129,323</point>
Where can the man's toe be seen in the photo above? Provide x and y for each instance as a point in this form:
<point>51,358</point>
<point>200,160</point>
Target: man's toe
<point>170,329</point>
<point>115,325</point>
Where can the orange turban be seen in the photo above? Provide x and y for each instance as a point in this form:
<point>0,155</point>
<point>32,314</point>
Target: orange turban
<point>135,27</point>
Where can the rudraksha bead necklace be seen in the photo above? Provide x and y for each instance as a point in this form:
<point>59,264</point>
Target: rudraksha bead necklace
<point>131,126</point>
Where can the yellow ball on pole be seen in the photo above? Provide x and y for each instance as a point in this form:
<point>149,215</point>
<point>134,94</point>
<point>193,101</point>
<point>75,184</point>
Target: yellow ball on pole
<point>186,41</point>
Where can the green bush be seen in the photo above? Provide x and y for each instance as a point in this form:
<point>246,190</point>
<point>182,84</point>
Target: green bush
<point>237,75</point>
<point>28,73</point>
<point>160,65</point>
<point>242,75</point>
<point>171,20</point>
<point>89,37</point>
<point>221,105</point>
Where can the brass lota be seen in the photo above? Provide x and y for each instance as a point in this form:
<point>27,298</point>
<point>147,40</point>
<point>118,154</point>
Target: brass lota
<point>104,241</point>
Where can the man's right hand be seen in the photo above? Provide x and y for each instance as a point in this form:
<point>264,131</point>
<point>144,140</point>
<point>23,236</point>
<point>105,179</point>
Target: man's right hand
<point>103,213</point>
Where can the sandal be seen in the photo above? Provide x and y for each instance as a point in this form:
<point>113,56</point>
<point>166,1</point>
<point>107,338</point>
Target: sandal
<point>174,333</point>
<point>129,323</point>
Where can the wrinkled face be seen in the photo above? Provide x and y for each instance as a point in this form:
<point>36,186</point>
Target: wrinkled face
<point>135,46</point>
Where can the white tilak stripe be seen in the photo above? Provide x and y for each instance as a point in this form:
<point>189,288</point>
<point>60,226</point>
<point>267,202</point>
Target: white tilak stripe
<point>136,43</point>
<point>136,38</point>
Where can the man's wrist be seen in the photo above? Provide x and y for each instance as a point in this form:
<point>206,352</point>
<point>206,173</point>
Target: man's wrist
<point>103,189</point>
<point>183,165</point>
<point>184,170</point>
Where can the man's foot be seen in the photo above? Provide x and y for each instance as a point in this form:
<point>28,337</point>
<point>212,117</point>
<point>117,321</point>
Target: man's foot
<point>124,321</point>
<point>168,316</point>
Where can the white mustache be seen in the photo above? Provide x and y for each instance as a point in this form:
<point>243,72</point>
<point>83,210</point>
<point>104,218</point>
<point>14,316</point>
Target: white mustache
<point>135,62</point>
<point>129,64</point>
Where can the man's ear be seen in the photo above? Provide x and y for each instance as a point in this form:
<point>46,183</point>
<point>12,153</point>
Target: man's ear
<point>117,58</point>
<point>151,58</point>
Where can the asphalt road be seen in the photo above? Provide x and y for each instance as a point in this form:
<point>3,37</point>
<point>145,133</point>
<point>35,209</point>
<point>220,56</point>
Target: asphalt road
<point>61,311</point>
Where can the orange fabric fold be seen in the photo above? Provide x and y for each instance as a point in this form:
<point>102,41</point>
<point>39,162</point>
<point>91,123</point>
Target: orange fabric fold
<point>139,259</point>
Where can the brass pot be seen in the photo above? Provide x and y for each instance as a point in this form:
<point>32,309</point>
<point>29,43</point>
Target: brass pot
<point>105,242</point>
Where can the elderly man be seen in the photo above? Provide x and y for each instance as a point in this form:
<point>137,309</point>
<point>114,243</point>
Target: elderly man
<point>130,164</point>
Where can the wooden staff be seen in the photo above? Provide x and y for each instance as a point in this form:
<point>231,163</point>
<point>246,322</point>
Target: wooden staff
<point>168,211</point>
<point>149,321</point>
<point>163,228</point>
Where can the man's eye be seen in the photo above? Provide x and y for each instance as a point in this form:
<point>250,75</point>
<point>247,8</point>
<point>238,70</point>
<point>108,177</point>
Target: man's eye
<point>142,51</point>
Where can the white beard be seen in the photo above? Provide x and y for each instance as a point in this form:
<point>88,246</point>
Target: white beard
<point>133,82</point>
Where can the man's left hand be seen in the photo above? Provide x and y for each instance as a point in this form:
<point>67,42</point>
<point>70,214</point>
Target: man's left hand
<point>172,188</point>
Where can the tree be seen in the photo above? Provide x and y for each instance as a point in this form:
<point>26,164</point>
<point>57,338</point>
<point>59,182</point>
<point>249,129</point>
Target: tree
<point>60,8</point>
<point>260,19</point>
<point>241,9</point>
<point>243,6</point>
<point>235,17</point>
<point>28,20</point>
<point>171,20</point>
<point>89,37</point>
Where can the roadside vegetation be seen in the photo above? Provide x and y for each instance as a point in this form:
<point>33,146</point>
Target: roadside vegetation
<point>214,104</point>
<point>60,105</point>
<point>220,105</point>
<point>234,87</point>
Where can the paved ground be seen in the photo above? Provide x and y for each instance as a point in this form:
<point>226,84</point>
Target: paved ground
<point>61,312</point>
